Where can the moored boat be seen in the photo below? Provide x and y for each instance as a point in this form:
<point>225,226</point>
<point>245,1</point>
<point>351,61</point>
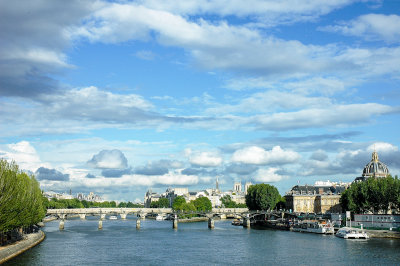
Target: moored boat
<point>351,233</point>
<point>313,227</point>
<point>237,222</point>
<point>160,217</point>
<point>113,217</point>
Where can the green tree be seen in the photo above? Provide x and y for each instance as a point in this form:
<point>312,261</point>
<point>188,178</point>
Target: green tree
<point>133,205</point>
<point>21,200</point>
<point>178,203</point>
<point>202,204</point>
<point>281,203</point>
<point>122,204</point>
<point>373,195</point>
<point>161,203</point>
<point>262,197</point>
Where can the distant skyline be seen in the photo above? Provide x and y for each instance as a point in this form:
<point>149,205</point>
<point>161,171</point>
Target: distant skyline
<point>117,97</point>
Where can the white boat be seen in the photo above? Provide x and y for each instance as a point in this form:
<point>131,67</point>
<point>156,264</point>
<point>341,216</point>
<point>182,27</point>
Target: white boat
<point>313,227</point>
<point>351,233</point>
<point>160,218</point>
<point>113,217</point>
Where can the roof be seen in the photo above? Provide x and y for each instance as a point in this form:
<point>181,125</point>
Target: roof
<point>316,190</point>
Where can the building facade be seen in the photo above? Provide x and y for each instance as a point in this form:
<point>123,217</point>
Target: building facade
<point>382,221</point>
<point>322,197</point>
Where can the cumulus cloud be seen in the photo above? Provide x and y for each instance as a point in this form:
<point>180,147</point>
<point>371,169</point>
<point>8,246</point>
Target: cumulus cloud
<point>241,168</point>
<point>43,173</point>
<point>268,175</point>
<point>109,159</point>
<point>319,155</point>
<point>89,175</point>
<point>160,167</point>
<point>204,159</point>
<point>92,104</point>
<point>351,161</point>
<point>34,37</point>
<point>370,27</point>
<point>113,173</point>
<point>259,156</point>
<point>223,46</point>
<point>24,154</point>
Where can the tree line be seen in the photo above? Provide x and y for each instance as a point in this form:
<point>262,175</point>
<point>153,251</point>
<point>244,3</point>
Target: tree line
<point>258,197</point>
<point>76,204</point>
<point>21,200</point>
<point>376,195</point>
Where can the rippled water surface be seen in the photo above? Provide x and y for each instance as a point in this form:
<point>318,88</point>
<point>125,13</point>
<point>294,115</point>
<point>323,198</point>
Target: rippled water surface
<point>156,243</point>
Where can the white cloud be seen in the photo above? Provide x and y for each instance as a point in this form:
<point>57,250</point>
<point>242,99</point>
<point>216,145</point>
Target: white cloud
<point>242,48</point>
<point>326,86</point>
<point>34,36</point>
<point>370,27</point>
<point>382,147</point>
<point>204,159</point>
<point>270,101</point>
<point>109,159</point>
<point>259,156</point>
<point>332,116</point>
<point>268,175</point>
<point>24,154</point>
<point>266,12</point>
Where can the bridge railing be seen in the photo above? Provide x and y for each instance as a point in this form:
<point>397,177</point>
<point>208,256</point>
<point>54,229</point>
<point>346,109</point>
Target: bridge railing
<point>138,210</point>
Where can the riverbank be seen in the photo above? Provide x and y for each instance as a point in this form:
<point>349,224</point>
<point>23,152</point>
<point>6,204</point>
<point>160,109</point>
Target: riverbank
<point>13,250</point>
<point>193,220</point>
<point>383,234</point>
<point>49,219</point>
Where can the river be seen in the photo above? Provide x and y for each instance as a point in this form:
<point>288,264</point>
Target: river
<point>156,243</point>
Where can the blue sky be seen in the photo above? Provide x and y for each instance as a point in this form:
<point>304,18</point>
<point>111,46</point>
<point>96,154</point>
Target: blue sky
<point>117,97</point>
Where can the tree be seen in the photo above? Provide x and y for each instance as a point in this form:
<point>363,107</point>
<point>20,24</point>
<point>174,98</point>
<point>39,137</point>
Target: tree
<point>163,203</point>
<point>133,205</point>
<point>262,197</point>
<point>373,195</point>
<point>178,203</point>
<point>202,204</point>
<point>281,203</point>
<point>21,200</point>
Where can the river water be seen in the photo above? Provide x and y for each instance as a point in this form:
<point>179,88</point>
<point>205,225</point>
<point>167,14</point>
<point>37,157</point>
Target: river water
<point>156,243</point>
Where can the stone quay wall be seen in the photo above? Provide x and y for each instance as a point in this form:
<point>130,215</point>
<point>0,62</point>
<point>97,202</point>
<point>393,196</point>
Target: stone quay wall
<point>13,250</point>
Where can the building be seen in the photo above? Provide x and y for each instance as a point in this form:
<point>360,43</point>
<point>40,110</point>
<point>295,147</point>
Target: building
<point>382,221</point>
<point>91,197</point>
<point>374,168</point>
<point>322,197</point>
<point>246,187</point>
<point>150,197</point>
<point>59,196</point>
<point>214,195</point>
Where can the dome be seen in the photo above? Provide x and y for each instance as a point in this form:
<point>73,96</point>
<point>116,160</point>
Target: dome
<point>375,168</point>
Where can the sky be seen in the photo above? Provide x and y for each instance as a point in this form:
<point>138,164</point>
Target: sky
<point>118,97</point>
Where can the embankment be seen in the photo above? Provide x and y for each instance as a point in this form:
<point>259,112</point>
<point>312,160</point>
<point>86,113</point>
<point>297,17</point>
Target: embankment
<point>29,241</point>
<point>383,234</point>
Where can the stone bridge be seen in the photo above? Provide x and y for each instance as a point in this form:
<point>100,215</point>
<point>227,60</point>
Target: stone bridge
<point>140,212</point>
